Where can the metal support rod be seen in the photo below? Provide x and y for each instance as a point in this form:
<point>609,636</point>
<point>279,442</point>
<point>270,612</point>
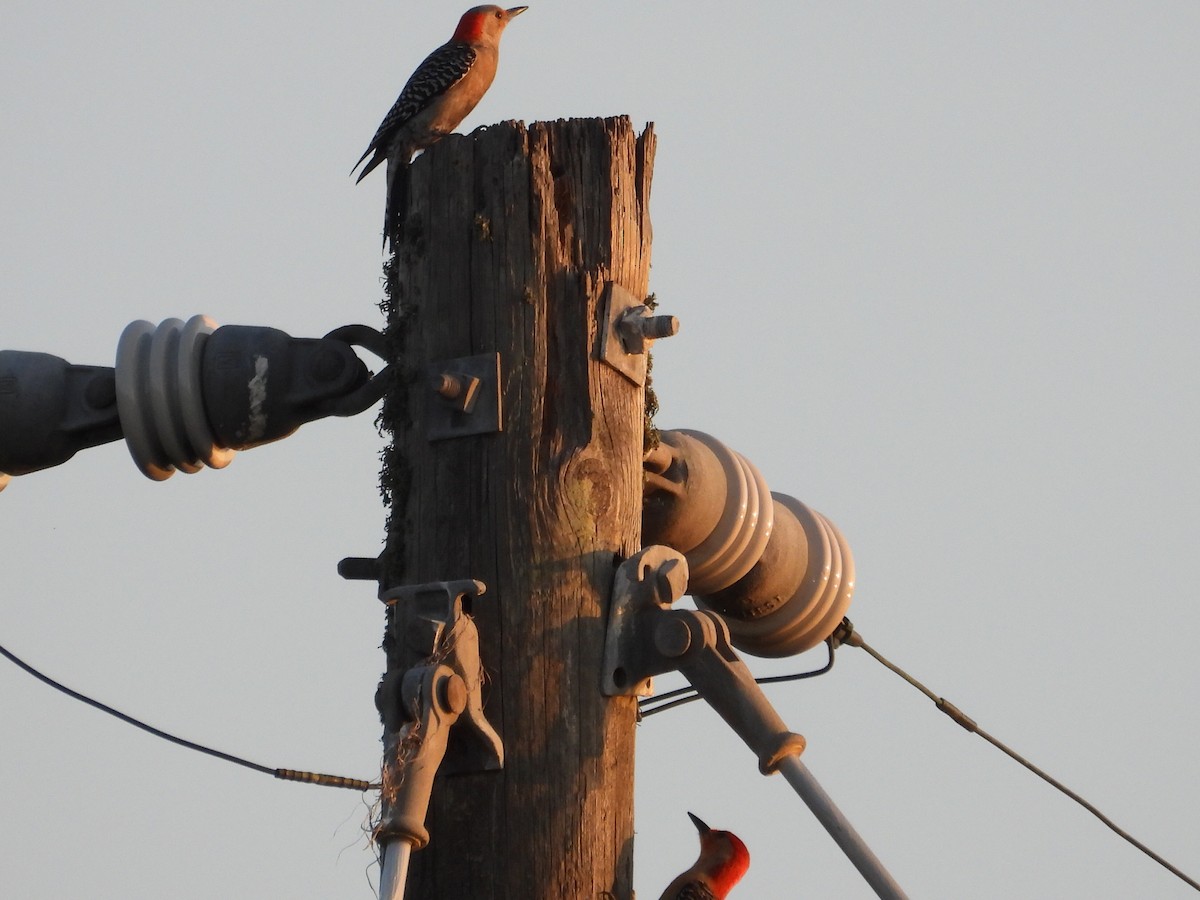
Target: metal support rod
<point>395,869</point>
<point>646,637</point>
<point>840,829</point>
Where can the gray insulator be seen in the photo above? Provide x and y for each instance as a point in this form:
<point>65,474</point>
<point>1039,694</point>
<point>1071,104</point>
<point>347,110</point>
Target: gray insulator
<point>160,397</point>
<point>780,573</point>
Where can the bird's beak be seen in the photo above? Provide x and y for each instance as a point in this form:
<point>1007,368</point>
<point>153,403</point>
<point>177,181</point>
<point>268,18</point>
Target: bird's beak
<point>699,823</point>
<point>515,11</point>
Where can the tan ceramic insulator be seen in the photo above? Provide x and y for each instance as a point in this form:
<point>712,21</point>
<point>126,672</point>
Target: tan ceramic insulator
<point>709,503</point>
<point>776,577</point>
<point>797,593</point>
<point>685,492</point>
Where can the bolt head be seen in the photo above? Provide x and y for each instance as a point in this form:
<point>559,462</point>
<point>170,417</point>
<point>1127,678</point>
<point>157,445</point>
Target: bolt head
<point>672,637</point>
<point>453,693</point>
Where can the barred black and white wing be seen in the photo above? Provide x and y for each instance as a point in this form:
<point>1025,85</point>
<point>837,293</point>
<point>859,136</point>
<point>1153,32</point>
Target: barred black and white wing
<point>440,71</point>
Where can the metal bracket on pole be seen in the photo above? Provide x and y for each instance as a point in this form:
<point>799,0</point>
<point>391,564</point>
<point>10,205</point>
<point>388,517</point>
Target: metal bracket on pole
<point>464,397</point>
<point>420,706</point>
<point>650,638</point>
<point>628,330</point>
<point>646,637</point>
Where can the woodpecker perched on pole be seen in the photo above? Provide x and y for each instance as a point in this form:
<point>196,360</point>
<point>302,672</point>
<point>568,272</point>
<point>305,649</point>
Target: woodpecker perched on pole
<point>438,96</point>
<point>723,861</point>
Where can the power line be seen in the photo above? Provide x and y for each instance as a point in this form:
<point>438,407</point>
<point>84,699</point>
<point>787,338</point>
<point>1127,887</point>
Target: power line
<point>847,635</point>
<point>283,774</point>
<point>651,705</point>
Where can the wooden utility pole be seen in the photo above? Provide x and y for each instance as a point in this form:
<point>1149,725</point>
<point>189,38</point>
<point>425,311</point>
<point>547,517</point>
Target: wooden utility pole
<point>509,240</point>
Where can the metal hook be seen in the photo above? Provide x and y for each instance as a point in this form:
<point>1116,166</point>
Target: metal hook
<point>370,392</point>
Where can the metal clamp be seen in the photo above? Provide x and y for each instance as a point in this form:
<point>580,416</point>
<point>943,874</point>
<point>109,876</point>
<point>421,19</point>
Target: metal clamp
<point>646,637</point>
<point>368,394</point>
<point>628,330</point>
<point>464,397</point>
<point>421,703</point>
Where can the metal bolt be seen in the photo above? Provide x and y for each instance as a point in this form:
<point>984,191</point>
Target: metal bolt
<point>638,328</point>
<point>460,390</point>
<point>447,386</point>
<point>671,581</point>
<point>660,326</point>
<point>452,692</point>
<point>672,637</point>
<point>359,568</point>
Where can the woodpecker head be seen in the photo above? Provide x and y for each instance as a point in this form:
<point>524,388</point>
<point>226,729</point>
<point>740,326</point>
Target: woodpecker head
<point>485,24</point>
<point>724,859</point>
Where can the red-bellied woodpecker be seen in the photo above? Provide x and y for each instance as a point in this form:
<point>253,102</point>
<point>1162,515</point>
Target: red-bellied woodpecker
<point>723,861</point>
<point>438,96</point>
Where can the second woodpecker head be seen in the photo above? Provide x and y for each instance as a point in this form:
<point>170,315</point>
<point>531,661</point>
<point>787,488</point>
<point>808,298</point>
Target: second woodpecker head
<point>485,24</point>
<point>725,857</point>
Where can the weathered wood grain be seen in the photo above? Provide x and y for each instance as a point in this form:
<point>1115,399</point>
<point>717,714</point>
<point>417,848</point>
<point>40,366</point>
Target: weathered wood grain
<point>509,238</point>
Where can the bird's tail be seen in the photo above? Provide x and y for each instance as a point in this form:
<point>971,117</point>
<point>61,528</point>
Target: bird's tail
<point>369,167</point>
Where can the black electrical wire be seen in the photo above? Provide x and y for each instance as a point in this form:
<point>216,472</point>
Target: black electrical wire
<point>284,774</point>
<point>850,637</point>
<point>651,705</point>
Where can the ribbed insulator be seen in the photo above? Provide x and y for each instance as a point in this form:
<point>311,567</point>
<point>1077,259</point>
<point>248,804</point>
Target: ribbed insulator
<point>160,398</point>
<point>780,573</point>
<point>725,519</point>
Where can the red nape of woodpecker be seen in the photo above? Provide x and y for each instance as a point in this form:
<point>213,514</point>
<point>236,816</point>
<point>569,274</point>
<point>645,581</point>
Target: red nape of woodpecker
<point>723,861</point>
<point>437,97</point>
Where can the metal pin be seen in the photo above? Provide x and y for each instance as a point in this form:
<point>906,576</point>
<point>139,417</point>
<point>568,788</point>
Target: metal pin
<point>461,391</point>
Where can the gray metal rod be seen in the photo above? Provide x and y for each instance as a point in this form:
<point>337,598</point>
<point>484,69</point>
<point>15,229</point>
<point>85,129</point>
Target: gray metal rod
<point>394,874</point>
<point>840,829</point>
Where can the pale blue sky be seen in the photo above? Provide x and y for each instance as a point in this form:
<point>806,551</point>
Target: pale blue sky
<point>938,270</point>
